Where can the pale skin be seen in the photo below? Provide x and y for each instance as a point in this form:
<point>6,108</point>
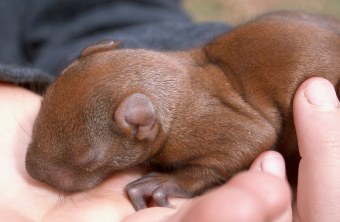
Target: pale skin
<point>259,194</point>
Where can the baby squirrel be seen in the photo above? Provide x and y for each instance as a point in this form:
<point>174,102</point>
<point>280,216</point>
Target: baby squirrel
<point>194,118</point>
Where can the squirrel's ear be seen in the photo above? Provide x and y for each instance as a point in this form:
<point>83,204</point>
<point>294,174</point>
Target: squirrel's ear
<point>101,46</point>
<point>137,117</point>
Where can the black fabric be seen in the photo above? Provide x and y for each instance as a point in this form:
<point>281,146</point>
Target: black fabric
<point>38,38</point>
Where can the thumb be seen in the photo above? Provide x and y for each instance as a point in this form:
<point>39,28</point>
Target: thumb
<point>317,122</point>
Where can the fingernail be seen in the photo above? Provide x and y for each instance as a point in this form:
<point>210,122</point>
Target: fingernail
<point>274,165</point>
<point>321,93</point>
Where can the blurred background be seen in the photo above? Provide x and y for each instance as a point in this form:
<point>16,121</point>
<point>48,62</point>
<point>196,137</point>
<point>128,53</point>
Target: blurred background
<point>236,11</point>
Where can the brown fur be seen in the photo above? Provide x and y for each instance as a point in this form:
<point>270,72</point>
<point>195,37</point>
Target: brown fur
<point>196,116</point>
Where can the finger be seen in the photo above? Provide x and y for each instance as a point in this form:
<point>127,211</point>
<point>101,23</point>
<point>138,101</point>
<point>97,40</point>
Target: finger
<point>249,196</point>
<point>317,122</point>
<point>270,162</point>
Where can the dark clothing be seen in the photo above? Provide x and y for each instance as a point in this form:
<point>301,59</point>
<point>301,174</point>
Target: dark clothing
<point>38,38</point>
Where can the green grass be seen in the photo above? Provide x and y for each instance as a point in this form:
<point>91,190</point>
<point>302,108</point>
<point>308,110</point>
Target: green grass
<point>235,11</point>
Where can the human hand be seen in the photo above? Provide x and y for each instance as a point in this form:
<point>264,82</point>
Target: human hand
<point>252,195</point>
